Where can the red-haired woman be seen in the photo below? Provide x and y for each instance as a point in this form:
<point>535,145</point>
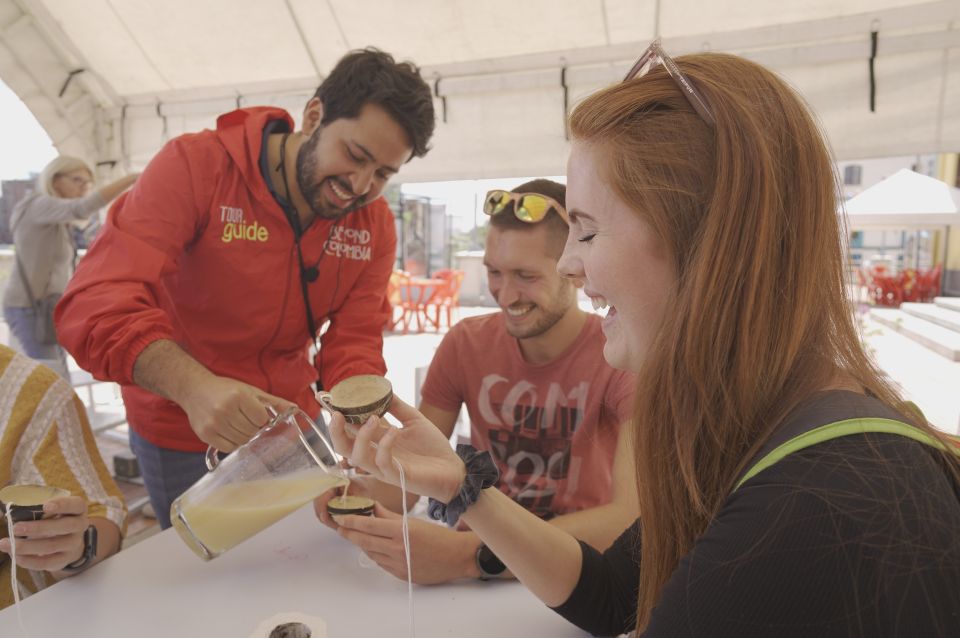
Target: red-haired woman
<point>785,488</point>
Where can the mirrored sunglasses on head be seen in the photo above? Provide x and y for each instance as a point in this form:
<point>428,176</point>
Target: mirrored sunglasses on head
<point>528,207</point>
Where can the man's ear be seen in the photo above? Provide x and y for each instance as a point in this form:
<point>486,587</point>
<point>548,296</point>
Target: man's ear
<point>312,116</point>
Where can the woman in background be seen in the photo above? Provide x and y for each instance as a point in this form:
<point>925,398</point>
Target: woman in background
<point>41,227</point>
<point>702,201</point>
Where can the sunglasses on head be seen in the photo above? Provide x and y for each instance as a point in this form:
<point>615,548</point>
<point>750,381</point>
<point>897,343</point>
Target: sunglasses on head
<point>528,207</point>
<point>654,56</point>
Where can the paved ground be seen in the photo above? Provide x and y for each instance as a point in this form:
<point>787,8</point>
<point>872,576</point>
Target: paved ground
<point>925,377</point>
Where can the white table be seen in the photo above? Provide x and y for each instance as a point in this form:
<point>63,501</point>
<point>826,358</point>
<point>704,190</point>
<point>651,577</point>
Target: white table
<point>158,588</point>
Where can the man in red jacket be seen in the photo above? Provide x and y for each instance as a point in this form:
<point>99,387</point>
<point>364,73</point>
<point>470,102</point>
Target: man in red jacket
<point>210,279</point>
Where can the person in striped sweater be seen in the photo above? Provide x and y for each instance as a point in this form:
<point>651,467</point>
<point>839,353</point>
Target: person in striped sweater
<point>45,439</point>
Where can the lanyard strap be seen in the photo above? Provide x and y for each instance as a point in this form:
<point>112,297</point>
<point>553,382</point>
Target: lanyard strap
<point>305,278</point>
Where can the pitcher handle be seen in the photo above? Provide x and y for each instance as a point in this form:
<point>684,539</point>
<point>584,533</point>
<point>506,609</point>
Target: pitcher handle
<point>212,457</point>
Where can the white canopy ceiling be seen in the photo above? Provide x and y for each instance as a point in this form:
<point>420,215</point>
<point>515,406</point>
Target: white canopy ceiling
<point>905,200</point>
<point>111,80</point>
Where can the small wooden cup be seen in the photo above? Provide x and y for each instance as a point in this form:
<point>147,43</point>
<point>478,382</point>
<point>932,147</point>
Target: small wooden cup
<point>360,505</point>
<point>358,398</point>
<point>26,501</point>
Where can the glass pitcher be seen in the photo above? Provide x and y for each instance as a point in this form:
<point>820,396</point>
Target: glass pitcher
<point>286,465</point>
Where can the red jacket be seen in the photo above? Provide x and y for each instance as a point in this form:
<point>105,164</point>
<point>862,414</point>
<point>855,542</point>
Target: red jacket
<point>199,252</point>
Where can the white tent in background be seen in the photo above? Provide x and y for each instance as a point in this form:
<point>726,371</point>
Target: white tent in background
<point>905,200</point>
<point>112,81</point>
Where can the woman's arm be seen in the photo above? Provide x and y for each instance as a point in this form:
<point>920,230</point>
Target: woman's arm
<point>546,559</point>
<point>543,557</point>
<point>604,602</point>
<point>113,189</point>
<point>56,210</point>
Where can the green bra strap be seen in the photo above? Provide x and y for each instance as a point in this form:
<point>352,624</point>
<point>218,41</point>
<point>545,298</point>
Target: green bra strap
<point>836,430</point>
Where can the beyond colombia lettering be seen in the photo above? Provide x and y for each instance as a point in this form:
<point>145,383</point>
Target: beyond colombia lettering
<point>349,243</point>
<point>235,228</point>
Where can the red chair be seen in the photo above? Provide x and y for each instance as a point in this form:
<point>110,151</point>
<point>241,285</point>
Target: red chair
<point>394,299</point>
<point>445,298</point>
<point>877,269</point>
<point>928,283</point>
<point>909,284</point>
<point>886,291</point>
<point>863,284</point>
<point>405,298</point>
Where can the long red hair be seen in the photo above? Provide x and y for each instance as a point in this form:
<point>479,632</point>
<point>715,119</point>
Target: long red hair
<point>761,320</point>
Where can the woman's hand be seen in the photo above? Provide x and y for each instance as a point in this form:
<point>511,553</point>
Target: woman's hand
<point>360,485</point>
<point>430,466</point>
<point>54,541</point>
<point>443,554</point>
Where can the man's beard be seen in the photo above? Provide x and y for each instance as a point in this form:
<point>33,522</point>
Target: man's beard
<point>312,188</point>
<point>549,315</point>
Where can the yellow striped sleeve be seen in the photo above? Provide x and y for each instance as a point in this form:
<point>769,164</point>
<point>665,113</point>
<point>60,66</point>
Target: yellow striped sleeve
<point>45,438</point>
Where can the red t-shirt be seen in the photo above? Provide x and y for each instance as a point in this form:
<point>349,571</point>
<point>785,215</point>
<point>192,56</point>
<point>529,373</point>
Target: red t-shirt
<point>552,428</point>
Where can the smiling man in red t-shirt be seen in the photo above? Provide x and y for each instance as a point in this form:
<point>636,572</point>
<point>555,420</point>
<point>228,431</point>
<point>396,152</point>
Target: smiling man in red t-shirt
<point>540,396</point>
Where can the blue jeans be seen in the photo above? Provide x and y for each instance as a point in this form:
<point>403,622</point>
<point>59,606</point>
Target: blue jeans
<point>21,322</point>
<point>166,473</point>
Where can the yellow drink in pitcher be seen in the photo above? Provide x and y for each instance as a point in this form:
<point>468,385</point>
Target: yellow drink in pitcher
<point>233,513</point>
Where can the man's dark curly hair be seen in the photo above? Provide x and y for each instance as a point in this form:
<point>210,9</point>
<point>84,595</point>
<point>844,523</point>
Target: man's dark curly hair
<point>371,76</point>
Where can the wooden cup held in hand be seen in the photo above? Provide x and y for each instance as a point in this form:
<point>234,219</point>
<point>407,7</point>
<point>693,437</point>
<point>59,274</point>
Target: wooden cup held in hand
<point>358,398</point>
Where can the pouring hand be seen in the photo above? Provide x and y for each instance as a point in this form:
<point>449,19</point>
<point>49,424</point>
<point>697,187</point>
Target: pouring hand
<point>226,413</point>
<point>430,465</point>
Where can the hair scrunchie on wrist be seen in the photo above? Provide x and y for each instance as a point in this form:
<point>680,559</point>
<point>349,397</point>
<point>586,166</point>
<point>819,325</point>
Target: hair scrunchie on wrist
<point>482,473</point>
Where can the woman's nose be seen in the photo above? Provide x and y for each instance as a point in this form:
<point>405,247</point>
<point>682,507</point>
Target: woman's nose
<point>569,266</point>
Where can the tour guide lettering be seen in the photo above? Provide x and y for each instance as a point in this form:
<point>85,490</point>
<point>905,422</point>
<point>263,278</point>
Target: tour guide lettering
<point>350,243</point>
<point>243,230</point>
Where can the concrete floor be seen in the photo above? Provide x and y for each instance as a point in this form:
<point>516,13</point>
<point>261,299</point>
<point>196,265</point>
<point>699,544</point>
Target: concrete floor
<point>925,377</point>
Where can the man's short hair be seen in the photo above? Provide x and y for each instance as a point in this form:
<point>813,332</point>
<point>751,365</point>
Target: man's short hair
<point>557,229</point>
<point>368,76</point>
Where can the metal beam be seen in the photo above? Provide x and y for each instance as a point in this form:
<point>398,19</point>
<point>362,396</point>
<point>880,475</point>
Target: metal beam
<point>63,47</point>
<point>303,38</point>
<point>936,14</point>
<point>49,97</point>
<point>600,65</point>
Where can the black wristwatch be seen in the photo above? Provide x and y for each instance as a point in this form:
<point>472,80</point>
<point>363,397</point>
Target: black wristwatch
<point>89,550</point>
<point>489,565</point>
